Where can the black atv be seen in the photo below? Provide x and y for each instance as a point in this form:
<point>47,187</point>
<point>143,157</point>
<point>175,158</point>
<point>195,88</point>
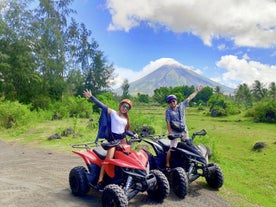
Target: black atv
<point>194,159</point>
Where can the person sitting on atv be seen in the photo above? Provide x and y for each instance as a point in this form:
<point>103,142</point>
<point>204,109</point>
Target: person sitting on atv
<point>113,125</point>
<point>176,121</point>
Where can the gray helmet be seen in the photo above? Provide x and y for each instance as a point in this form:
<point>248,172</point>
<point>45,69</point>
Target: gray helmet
<point>171,97</point>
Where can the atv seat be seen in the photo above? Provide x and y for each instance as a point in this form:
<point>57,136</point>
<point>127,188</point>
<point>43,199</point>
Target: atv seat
<point>100,151</point>
<point>165,143</point>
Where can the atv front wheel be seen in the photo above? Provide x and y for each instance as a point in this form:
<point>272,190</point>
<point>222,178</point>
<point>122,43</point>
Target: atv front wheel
<point>214,176</point>
<point>179,182</point>
<point>162,188</point>
<point>114,196</point>
<point>78,181</point>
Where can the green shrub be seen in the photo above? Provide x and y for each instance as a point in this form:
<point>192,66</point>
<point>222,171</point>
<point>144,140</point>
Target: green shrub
<point>264,111</point>
<point>14,114</point>
<point>232,108</point>
<point>78,106</point>
<point>72,107</point>
<point>219,106</point>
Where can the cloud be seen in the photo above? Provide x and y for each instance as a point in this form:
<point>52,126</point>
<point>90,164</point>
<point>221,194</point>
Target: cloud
<point>245,71</point>
<point>246,23</point>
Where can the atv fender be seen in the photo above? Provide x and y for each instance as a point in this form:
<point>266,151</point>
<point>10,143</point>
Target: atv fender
<point>109,166</point>
<point>89,157</point>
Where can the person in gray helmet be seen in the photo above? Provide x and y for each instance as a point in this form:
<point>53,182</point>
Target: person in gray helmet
<point>176,121</point>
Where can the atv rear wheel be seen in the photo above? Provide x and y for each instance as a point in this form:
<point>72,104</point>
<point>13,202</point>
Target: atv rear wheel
<point>214,177</point>
<point>179,182</point>
<point>114,196</point>
<point>162,188</point>
<point>78,181</point>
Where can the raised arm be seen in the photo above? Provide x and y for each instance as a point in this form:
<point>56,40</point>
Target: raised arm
<point>198,89</point>
<point>88,94</point>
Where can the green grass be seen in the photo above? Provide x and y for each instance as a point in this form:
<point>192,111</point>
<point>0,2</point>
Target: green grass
<point>250,178</point>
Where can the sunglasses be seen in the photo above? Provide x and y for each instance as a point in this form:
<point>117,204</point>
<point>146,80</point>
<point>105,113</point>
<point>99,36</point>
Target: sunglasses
<point>125,106</point>
<point>172,101</point>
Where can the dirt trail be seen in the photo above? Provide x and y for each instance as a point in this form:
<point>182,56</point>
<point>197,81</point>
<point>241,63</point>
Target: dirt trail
<point>36,177</point>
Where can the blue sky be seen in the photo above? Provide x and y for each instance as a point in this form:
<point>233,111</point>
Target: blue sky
<point>229,41</point>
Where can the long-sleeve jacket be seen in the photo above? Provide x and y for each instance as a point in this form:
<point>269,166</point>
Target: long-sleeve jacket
<point>104,131</point>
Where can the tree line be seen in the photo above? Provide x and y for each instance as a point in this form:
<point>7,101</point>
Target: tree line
<point>46,54</point>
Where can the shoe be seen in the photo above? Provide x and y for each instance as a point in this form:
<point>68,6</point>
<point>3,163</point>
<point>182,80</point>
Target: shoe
<point>100,186</point>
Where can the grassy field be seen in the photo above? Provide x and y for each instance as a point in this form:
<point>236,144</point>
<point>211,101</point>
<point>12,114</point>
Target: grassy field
<point>250,177</point>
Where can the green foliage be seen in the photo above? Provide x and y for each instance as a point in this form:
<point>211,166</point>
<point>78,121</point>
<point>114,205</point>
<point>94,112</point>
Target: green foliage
<point>232,108</point>
<point>264,111</point>
<point>219,106</point>
<point>72,107</point>
<point>181,93</point>
<point>125,87</point>
<point>38,51</point>
<point>143,98</point>
<point>15,115</point>
<point>108,100</point>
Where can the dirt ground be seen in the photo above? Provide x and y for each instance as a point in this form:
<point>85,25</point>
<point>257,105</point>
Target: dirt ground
<point>37,177</point>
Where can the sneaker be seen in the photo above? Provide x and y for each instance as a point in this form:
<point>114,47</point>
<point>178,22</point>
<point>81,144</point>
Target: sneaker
<point>100,186</point>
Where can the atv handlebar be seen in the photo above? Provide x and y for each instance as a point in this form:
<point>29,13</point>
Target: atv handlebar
<point>202,132</point>
<point>133,139</point>
<point>87,145</point>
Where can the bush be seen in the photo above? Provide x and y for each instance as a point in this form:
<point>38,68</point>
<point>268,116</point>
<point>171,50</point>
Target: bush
<point>14,114</point>
<point>72,107</point>
<point>264,111</point>
<point>222,107</point>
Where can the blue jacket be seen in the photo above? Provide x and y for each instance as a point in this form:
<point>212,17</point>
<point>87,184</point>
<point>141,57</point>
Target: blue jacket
<point>104,131</point>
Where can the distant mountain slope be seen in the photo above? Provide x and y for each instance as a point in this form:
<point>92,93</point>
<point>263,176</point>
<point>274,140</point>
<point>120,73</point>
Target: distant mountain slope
<point>172,75</point>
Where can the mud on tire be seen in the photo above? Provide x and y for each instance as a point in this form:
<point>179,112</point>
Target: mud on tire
<point>179,182</point>
<point>214,177</point>
<point>78,181</point>
<point>162,188</point>
<point>113,195</point>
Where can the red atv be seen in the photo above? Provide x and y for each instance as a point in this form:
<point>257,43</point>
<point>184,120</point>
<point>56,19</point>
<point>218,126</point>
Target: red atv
<point>125,175</point>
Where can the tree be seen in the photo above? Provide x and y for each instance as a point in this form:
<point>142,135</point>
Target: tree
<point>20,80</point>
<point>40,54</point>
<point>217,90</point>
<point>243,95</point>
<point>272,91</point>
<point>50,29</point>
<point>204,95</point>
<point>125,87</point>
<point>160,94</point>
<point>218,105</point>
<point>143,98</point>
<point>97,74</point>
<point>258,90</point>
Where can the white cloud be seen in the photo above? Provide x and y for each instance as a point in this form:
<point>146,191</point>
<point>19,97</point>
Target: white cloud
<point>245,71</point>
<point>246,22</point>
